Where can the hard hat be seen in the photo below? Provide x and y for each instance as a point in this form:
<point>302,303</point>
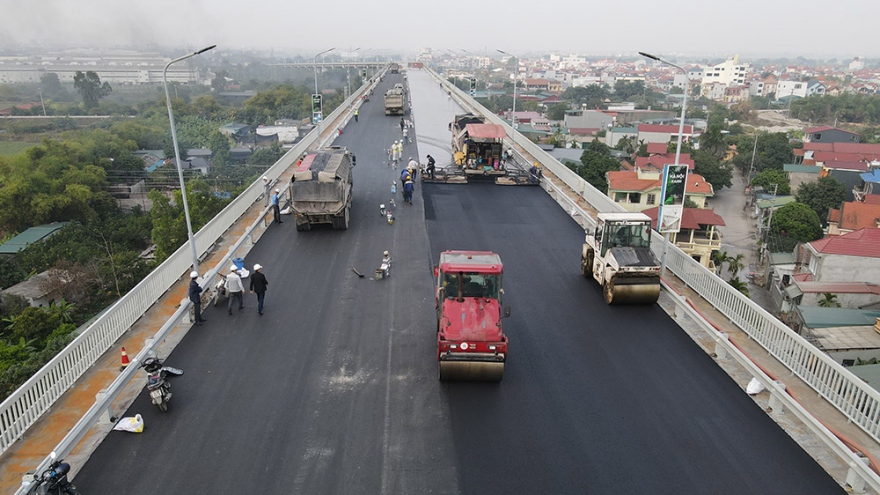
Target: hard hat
<point>386,254</point>
<point>410,158</point>
<point>258,267</point>
<point>277,190</point>
<point>265,178</point>
<point>233,268</point>
<point>194,274</point>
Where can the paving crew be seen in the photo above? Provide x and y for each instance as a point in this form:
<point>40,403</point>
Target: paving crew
<point>408,187</point>
<point>234,288</point>
<point>195,295</point>
<point>431,167</point>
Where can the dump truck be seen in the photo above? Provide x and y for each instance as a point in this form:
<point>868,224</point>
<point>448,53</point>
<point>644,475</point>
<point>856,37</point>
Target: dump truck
<point>394,68</point>
<point>394,100</point>
<point>322,188</point>
<point>478,154</point>
<point>617,254</point>
<point>470,342</point>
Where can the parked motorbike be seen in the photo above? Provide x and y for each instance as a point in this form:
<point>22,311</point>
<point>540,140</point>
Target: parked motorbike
<point>384,270</point>
<point>386,212</point>
<point>53,481</point>
<point>157,383</point>
<point>219,290</point>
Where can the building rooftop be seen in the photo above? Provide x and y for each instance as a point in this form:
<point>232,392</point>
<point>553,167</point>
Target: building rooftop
<point>30,236</point>
<point>863,242</point>
<point>819,317</point>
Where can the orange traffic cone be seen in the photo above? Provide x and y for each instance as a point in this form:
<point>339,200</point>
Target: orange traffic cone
<point>125,360</point>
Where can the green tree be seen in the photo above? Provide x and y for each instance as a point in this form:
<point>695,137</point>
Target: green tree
<point>592,96</point>
<point>712,141</point>
<point>557,112</point>
<point>828,300</point>
<point>593,167</point>
<point>719,258</point>
<point>773,151</point>
<point>739,285</point>
<point>792,224</point>
<point>735,264</point>
<point>773,180</point>
<point>822,195</point>
<point>713,170</point>
<point>91,88</point>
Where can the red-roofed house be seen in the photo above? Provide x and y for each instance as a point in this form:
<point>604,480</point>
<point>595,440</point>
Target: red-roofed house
<point>640,190</point>
<point>697,237</point>
<point>853,216</point>
<point>656,133</point>
<point>852,257</point>
<point>657,161</point>
<point>536,84</point>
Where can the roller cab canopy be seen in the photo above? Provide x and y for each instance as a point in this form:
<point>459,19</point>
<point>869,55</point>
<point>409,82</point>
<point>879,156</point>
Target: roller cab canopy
<point>470,261</point>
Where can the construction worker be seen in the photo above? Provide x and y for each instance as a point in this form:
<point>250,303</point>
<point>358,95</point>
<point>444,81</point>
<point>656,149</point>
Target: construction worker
<point>534,173</point>
<point>234,288</point>
<point>431,167</point>
<point>355,115</point>
<point>195,295</point>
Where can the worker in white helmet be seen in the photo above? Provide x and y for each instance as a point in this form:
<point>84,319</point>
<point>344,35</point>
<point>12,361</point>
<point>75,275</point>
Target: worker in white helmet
<point>195,295</point>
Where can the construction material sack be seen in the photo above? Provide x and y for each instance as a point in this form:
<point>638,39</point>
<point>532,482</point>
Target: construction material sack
<point>134,425</point>
<point>754,387</point>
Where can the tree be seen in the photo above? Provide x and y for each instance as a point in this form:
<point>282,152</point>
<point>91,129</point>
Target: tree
<point>828,300</point>
<point>735,264</point>
<point>593,167</point>
<point>592,96</point>
<point>557,112</point>
<point>719,258</point>
<point>739,285</point>
<point>773,181</point>
<point>792,224</point>
<point>773,151</point>
<point>713,170</point>
<point>90,88</point>
<point>712,141</point>
<point>822,195</point>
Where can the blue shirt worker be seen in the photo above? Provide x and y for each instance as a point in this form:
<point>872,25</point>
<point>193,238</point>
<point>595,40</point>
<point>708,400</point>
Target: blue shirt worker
<point>276,208</point>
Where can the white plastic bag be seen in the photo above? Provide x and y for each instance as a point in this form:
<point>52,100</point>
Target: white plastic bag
<point>754,387</point>
<point>286,211</point>
<point>134,425</point>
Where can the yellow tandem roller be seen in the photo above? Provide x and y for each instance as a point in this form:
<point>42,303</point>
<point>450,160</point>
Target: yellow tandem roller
<point>479,371</point>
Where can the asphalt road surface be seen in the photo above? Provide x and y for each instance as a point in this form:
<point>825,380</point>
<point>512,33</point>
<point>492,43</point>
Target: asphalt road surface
<point>334,389</point>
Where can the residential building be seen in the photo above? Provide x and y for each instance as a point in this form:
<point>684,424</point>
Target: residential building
<point>658,156</point>
<point>846,335</point>
<point>801,174</point>
<point>828,134</point>
<point>654,133</point>
<point>698,236</point>
<point>729,73</point>
<point>639,190</point>
<point>852,257</point>
<point>615,134</point>
<point>852,216</point>
<point>790,89</point>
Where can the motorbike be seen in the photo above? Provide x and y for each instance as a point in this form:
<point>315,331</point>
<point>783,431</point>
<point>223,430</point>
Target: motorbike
<point>386,212</point>
<point>219,290</point>
<point>384,270</point>
<point>53,481</point>
<point>157,383</point>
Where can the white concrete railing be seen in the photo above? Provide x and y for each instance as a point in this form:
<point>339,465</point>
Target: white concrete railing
<point>850,395</point>
<point>27,404</point>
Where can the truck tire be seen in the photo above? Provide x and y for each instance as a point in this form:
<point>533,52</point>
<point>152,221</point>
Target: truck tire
<point>303,227</point>
<point>347,217</point>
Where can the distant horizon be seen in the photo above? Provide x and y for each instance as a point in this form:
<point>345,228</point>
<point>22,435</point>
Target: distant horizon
<point>34,49</point>
<point>676,28</point>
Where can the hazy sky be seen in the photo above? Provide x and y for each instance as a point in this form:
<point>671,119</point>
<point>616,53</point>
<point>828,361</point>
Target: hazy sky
<point>751,28</point>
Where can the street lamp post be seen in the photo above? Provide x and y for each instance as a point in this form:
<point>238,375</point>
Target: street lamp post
<point>515,74</point>
<point>348,69</point>
<point>315,65</point>
<point>680,139</point>
<point>192,242</point>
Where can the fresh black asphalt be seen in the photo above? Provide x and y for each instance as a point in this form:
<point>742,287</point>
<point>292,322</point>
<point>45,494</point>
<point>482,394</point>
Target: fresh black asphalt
<point>334,389</point>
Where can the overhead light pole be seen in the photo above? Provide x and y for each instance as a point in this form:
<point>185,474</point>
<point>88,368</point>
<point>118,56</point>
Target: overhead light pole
<point>348,68</point>
<point>192,242</point>
<point>320,109</point>
<point>678,145</point>
<point>515,75</point>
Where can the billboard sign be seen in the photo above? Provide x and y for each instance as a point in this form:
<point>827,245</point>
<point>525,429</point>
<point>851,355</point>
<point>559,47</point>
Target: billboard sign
<point>672,198</point>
